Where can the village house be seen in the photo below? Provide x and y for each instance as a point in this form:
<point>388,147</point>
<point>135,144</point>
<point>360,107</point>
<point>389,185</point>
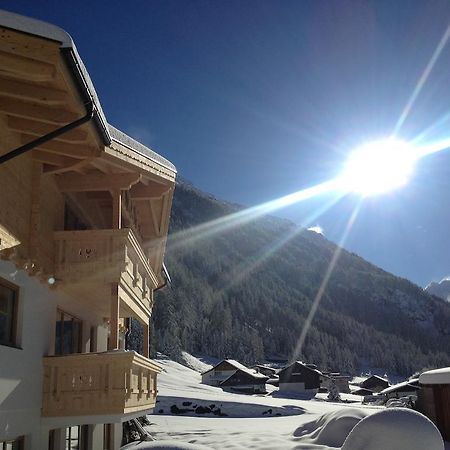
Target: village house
<point>221,371</point>
<point>434,398</point>
<point>84,216</point>
<point>407,388</point>
<point>341,381</point>
<point>246,382</point>
<point>374,383</point>
<point>300,378</point>
<point>363,392</point>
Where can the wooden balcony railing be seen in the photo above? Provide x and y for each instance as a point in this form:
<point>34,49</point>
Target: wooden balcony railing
<point>108,383</point>
<point>105,256</point>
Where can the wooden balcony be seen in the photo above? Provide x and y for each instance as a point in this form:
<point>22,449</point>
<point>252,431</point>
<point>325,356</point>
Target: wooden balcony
<point>109,383</point>
<point>87,263</point>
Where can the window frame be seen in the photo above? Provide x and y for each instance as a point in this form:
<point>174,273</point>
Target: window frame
<point>75,343</point>
<point>19,442</point>
<point>12,342</point>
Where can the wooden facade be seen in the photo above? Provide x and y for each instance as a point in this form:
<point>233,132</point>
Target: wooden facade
<point>434,402</point>
<point>375,383</point>
<point>299,377</point>
<point>246,382</point>
<point>85,212</point>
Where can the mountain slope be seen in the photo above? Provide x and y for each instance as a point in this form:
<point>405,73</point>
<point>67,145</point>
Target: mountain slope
<point>224,304</point>
<point>441,289</point>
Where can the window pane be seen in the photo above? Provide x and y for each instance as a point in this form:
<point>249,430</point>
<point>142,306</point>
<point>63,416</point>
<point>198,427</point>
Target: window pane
<point>17,445</point>
<point>74,434</point>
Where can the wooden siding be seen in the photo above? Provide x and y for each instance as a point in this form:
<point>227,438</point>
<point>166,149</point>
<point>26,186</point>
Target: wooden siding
<point>434,402</point>
<point>299,373</point>
<point>243,378</point>
<point>98,383</point>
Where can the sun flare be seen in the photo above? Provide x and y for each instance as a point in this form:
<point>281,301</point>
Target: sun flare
<point>378,167</point>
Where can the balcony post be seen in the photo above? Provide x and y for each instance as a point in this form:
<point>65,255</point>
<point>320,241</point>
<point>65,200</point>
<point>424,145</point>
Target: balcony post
<point>113,342</point>
<point>117,209</point>
<point>146,340</point>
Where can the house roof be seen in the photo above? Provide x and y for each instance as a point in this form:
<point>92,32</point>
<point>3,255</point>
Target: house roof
<point>436,376</point>
<point>232,362</point>
<point>262,366</point>
<point>363,391</point>
<point>238,366</point>
<point>75,64</point>
<point>409,384</point>
<point>375,378</point>
<point>306,366</point>
<point>253,374</point>
<point>132,144</point>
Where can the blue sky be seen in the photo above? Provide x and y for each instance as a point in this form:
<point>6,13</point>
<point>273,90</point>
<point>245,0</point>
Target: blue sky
<point>253,100</point>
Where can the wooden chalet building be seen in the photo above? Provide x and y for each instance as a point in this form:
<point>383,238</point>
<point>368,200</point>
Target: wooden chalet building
<point>375,383</point>
<point>84,215</point>
<point>300,378</point>
<point>246,381</point>
<point>341,381</point>
<point>434,398</point>
<point>409,388</point>
<point>221,371</point>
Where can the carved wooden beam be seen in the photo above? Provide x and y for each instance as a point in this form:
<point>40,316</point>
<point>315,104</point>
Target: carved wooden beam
<point>36,93</point>
<point>35,128</point>
<point>18,43</point>
<point>64,148</point>
<point>52,158</point>
<point>151,191</point>
<point>96,182</point>
<point>74,165</point>
<point>16,107</point>
<point>26,68</point>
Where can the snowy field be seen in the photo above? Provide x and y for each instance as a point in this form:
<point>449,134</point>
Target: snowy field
<point>188,412</point>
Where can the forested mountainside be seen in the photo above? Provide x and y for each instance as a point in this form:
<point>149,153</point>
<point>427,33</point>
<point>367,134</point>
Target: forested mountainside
<point>223,304</point>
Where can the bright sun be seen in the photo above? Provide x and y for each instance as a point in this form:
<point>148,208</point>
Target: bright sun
<point>378,167</point>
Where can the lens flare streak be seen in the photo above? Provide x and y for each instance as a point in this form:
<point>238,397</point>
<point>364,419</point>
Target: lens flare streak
<point>239,218</point>
<point>423,79</point>
<point>312,312</point>
<point>243,270</point>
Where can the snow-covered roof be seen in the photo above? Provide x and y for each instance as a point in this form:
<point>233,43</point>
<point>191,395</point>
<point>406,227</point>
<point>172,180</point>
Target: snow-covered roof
<point>376,377</point>
<point>35,27</point>
<point>132,144</point>
<point>436,376</point>
<point>238,366</point>
<point>49,31</point>
<point>409,384</point>
<point>307,366</point>
<point>249,372</point>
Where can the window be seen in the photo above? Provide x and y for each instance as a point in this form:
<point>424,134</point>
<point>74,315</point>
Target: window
<point>68,334</point>
<point>16,444</point>
<point>8,313</point>
<point>76,437</point>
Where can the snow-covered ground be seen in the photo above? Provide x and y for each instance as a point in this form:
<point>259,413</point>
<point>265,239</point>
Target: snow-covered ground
<point>189,412</point>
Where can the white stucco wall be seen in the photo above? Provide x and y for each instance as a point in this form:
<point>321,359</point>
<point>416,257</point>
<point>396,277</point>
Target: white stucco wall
<point>21,369</point>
